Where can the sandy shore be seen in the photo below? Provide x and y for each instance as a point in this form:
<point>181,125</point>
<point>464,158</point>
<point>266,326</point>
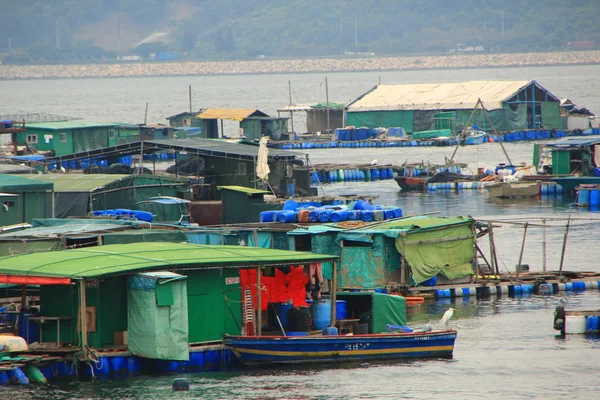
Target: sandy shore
<point>296,66</point>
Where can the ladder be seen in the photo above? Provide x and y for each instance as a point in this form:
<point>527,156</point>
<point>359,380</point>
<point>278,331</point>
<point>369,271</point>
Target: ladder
<point>248,316</point>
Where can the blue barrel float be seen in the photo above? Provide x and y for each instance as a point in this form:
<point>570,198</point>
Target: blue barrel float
<point>594,197</point>
<point>340,309</point>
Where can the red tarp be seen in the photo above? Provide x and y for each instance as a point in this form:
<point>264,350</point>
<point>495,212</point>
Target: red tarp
<point>279,288</point>
<point>33,280</point>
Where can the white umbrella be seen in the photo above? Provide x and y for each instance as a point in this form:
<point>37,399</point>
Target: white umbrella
<point>262,168</point>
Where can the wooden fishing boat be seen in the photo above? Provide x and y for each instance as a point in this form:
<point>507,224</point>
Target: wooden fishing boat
<point>412,183</point>
<point>305,349</point>
<point>513,189</point>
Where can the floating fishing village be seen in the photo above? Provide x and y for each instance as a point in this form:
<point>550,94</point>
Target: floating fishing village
<point>208,242</point>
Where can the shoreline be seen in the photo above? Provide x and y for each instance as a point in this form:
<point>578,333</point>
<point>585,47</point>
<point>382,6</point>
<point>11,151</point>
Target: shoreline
<point>298,66</point>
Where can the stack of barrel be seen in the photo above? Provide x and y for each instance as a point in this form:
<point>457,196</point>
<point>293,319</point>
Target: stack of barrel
<point>360,210</point>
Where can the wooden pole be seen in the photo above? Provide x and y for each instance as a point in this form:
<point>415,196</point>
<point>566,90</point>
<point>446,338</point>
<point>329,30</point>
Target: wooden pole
<point>564,247</point>
<point>146,114</point>
<point>291,113</point>
<point>83,319</point>
<point>258,301</point>
<point>403,272</point>
<point>258,290</point>
<point>493,249</point>
<point>544,244</point>
<point>522,249</point>
<point>140,172</point>
<point>327,99</point>
<point>222,130</point>
<point>333,290</point>
<point>190,96</point>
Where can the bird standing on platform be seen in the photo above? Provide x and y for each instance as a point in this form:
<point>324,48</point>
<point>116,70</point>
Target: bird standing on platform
<point>447,315</point>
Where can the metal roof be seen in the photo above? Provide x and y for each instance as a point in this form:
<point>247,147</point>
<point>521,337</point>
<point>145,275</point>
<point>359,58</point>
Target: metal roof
<point>438,96</point>
<point>333,106</point>
<point>236,114</point>
<point>78,182</point>
<point>92,182</point>
<point>115,259</point>
<point>574,142</point>
<point>60,125</point>
<point>243,189</point>
<point>196,146</point>
<point>9,183</point>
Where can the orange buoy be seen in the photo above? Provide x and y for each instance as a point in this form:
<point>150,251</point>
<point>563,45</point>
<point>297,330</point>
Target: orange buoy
<point>414,300</point>
<point>490,140</point>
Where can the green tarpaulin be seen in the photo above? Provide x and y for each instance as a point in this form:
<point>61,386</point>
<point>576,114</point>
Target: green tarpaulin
<point>381,119</point>
<point>432,134</point>
<point>157,317</point>
<point>385,309</point>
<point>430,251</point>
<point>551,118</point>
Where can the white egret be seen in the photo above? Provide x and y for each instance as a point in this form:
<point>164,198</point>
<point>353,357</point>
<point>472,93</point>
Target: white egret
<point>374,162</point>
<point>447,315</point>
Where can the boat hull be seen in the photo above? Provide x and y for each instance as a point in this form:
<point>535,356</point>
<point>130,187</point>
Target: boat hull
<point>513,189</point>
<point>569,184</point>
<point>476,139</point>
<point>411,183</point>
<point>305,349</point>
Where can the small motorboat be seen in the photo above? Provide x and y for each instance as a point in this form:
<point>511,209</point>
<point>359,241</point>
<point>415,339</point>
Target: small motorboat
<point>507,190</point>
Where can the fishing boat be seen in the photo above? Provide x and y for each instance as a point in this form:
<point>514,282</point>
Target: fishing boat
<point>507,190</point>
<point>338,348</point>
<point>407,183</point>
<point>373,327</point>
<point>475,137</point>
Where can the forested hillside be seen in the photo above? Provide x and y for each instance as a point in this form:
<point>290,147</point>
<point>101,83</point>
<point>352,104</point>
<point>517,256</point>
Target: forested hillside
<point>36,31</point>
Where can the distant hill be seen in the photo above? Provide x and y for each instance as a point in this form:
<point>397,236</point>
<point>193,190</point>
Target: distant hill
<point>66,30</point>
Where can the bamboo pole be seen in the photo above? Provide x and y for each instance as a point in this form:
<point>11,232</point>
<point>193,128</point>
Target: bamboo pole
<point>522,249</point>
<point>564,247</point>
<point>544,245</point>
<point>403,272</point>
<point>83,318</point>
<point>333,290</point>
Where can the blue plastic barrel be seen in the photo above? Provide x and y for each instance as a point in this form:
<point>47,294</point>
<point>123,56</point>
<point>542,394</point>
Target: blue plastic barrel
<point>143,215</point>
<point>595,197</point>
<point>383,173</point>
<point>296,333</point>
<point>282,310</point>
<point>353,215</point>
<point>267,216</point>
<point>321,313</point>
<point>330,331</point>
<point>366,216</point>
<point>374,174</point>
<point>340,309</point>
<point>313,215</point>
<point>362,205</point>
<point>583,197</point>
<point>133,365</point>
<point>4,380</point>
<point>593,324</point>
<point>324,215</point>
<point>338,216</point>
<point>118,364</point>
<point>287,216</point>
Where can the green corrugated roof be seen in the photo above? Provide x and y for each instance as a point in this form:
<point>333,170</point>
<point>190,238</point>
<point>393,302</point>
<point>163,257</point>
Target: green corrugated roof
<point>243,189</point>
<point>15,183</point>
<point>78,182</point>
<point>69,125</point>
<point>127,258</point>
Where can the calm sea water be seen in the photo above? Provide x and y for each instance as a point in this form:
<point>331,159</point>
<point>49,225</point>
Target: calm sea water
<point>506,346</point>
